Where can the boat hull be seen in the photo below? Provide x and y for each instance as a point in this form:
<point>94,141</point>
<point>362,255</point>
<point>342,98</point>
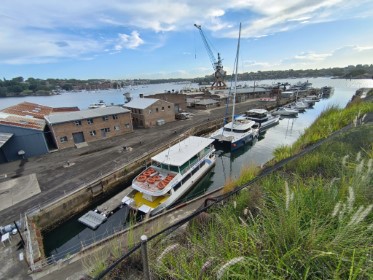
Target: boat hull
<point>233,145</point>
<point>207,163</point>
<point>268,124</point>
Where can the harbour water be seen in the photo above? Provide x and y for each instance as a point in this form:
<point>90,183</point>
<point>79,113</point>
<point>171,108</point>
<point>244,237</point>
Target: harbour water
<point>70,236</point>
<point>83,99</point>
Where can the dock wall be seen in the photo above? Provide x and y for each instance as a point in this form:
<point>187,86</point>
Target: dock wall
<point>62,209</point>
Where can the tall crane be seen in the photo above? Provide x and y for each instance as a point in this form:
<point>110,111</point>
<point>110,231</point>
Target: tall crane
<point>217,65</point>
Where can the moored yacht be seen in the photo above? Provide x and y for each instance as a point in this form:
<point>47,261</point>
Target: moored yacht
<point>283,111</point>
<point>100,104</point>
<point>171,175</point>
<point>300,106</point>
<point>236,134</point>
<point>240,130</point>
<point>263,117</point>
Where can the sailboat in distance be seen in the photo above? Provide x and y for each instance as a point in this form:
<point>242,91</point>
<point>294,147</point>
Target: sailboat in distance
<point>240,130</point>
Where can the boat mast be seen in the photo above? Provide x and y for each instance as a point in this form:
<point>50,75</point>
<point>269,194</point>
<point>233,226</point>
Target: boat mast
<point>235,78</point>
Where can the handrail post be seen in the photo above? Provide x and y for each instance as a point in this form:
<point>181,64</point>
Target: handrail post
<point>144,255</point>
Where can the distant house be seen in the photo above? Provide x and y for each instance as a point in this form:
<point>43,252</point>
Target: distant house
<point>205,104</point>
<point>178,99</point>
<point>90,125</point>
<point>202,104</point>
<point>23,131</point>
<point>287,94</point>
<point>149,112</point>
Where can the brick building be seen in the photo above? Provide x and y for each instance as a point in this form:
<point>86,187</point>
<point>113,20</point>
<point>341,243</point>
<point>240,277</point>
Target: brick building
<point>24,132</point>
<point>89,125</point>
<point>149,112</point>
<point>178,99</point>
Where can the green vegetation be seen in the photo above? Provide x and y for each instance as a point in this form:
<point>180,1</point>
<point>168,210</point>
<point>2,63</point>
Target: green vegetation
<point>311,220</point>
<point>20,87</point>
<point>331,120</point>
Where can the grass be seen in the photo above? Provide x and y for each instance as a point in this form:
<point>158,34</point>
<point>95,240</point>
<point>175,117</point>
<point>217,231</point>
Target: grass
<point>296,231</point>
<point>311,220</point>
<point>331,120</point>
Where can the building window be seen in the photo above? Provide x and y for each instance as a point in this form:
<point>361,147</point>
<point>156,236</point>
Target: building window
<point>169,107</point>
<point>115,117</point>
<point>63,139</point>
<point>106,129</point>
<point>150,111</point>
<point>92,132</point>
<point>156,109</point>
<point>78,122</point>
<point>105,118</point>
<point>127,125</point>
<point>116,127</point>
<point>90,121</point>
<point>162,108</point>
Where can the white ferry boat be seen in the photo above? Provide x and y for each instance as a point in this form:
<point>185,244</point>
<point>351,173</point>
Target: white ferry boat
<point>171,175</point>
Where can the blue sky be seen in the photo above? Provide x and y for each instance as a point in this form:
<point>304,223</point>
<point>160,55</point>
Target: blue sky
<point>125,39</point>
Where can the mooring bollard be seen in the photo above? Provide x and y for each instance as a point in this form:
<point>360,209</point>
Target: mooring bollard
<point>144,255</point>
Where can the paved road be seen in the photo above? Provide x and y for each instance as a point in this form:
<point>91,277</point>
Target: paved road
<point>98,158</point>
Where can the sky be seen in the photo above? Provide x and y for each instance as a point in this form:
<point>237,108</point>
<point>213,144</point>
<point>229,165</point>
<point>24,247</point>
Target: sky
<point>151,39</point>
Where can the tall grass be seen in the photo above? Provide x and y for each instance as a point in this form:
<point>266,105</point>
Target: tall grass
<point>302,224</point>
<point>297,233</point>
<point>329,121</point>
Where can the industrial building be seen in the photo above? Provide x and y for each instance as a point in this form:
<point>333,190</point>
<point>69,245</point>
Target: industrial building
<point>70,129</point>
<point>23,131</point>
<point>150,112</point>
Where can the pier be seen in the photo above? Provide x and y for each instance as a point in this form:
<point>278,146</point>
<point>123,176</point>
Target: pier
<point>109,206</point>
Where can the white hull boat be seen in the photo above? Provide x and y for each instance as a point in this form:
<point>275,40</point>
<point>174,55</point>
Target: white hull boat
<point>171,175</point>
<point>283,111</point>
<point>263,117</point>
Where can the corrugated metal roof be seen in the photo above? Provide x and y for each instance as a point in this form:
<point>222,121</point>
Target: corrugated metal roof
<point>206,101</point>
<point>4,137</point>
<point>85,114</point>
<point>29,109</point>
<point>181,152</point>
<point>140,103</point>
<point>22,121</point>
<point>35,110</point>
<point>65,109</point>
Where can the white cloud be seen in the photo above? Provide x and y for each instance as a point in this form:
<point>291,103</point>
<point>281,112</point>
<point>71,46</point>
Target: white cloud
<point>128,41</point>
<point>341,57</point>
<point>38,31</point>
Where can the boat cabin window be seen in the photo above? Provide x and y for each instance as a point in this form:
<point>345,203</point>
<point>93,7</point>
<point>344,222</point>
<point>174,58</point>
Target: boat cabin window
<point>169,167</point>
<point>241,130</point>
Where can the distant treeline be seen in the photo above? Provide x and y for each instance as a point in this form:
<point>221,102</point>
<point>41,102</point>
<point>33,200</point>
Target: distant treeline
<point>20,87</point>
